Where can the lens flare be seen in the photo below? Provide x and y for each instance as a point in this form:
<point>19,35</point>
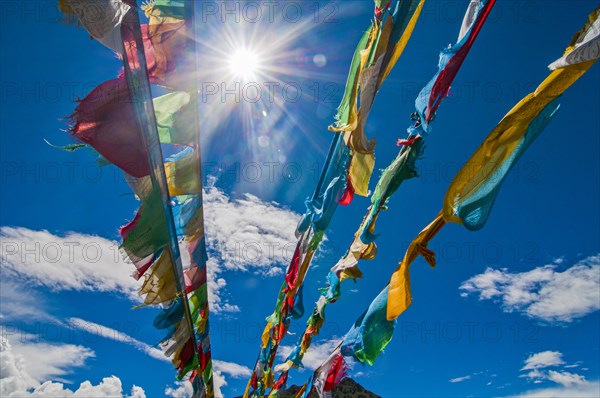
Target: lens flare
<point>266,88</point>
<point>244,64</point>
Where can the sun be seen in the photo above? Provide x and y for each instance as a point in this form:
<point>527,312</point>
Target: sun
<point>244,63</point>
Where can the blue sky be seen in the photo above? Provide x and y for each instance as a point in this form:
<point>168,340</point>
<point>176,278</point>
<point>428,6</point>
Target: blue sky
<point>511,309</point>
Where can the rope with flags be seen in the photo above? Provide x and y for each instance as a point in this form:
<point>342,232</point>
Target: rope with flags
<point>347,170</point>
<point>128,128</point>
<point>403,167</point>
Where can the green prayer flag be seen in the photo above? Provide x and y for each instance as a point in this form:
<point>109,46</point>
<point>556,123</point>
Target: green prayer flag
<point>175,118</point>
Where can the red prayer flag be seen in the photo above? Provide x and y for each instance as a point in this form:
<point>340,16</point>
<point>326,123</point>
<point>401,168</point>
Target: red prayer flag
<point>348,195</point>
<point>292,271</point>
<point>204,357</point>
<point>336,373</point>
<point>164,46</point>
<point>186,354</point>
<point>106,120</point>
<point>281,381</point>
<point>441,87</point>
<point>194,278</point>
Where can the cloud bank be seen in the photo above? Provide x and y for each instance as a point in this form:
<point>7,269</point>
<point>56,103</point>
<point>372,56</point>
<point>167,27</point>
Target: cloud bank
<point>544,293</point>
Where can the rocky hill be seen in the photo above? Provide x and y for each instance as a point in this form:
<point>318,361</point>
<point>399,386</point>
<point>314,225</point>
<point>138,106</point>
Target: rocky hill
<point>347,388</point>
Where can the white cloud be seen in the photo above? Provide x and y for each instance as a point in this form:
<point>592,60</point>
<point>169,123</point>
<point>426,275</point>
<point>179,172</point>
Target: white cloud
<point>57,263</point>
<point>112,334</point>
<point>232,369</point>
<point>182,389</point>
<point>24,366</point>
<point>74,261</point>
<point>216,300</point>
<point>566,379</point>
<point>460,379</point>
<point>315,356</point>
<point>222,368</point>
<point>469,377</point>
<point>18,303</point>
<point>109,387</point>
<point>537,364</point>
<point>543,359</point>
<point>587,390</point>
<point>248,233</point>
<point>44,361</point>
<point>543,293</point>
<point>13,376</point>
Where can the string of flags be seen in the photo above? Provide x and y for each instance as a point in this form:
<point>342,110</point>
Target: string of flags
<point>403,167</point>
<point>468,201</point>
<point>165,239</point>
<point>347,171</point>
<point>128,128</point>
